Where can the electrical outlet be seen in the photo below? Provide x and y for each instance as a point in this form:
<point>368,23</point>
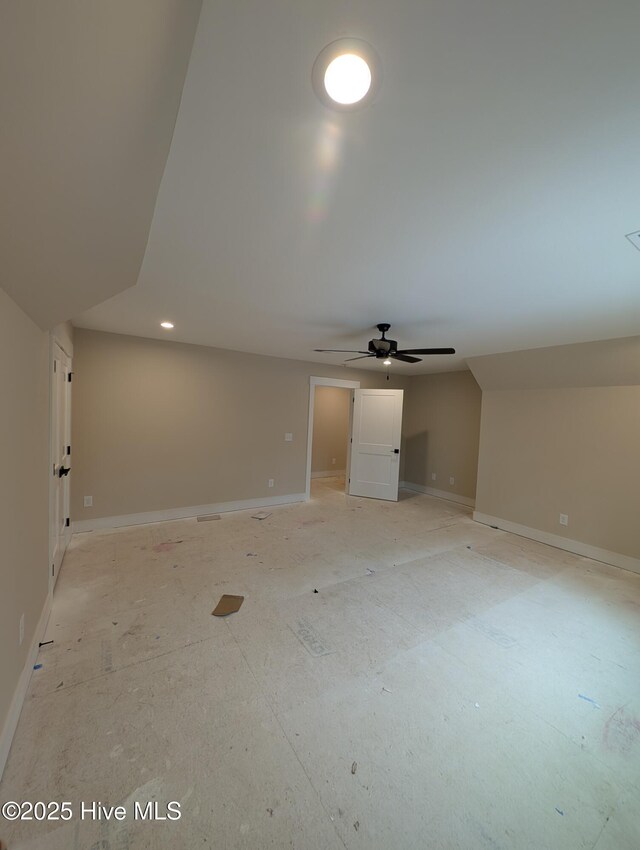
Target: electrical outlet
<point>333,461</point>
<point>452,480</point>
<point>288,437</point>
<point>88,501</point>
<point>433,476</point>
<point>564,519</point>
<point>21,636</point>
<point>270,482</point>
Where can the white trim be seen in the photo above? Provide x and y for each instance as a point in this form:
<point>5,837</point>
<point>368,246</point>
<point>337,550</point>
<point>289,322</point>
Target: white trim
<point>439,494</point>
<point>315,381</point>
<point>62,341</point>
<point>55,342</point>
<point>10,724</point>
<point>183,513</point>
<point>329,473</point>
<point>594,552</point>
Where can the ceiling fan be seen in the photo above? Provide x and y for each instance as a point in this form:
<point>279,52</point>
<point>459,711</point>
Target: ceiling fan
<point>384,349</point>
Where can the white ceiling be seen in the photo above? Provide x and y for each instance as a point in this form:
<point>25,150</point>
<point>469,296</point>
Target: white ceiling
<point>481,201</point>
<point>89,93</point>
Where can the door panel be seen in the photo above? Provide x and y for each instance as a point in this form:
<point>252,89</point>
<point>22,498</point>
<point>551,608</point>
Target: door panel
<point>375,447</point>
<point>60,446</point>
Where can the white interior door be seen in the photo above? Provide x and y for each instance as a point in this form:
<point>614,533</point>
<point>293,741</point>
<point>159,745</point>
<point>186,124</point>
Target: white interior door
<point>375,444</point>
<point>61,454</point>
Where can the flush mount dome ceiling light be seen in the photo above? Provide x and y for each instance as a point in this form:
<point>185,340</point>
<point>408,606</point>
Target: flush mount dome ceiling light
<point>346,74</point>
<point>167,325</point>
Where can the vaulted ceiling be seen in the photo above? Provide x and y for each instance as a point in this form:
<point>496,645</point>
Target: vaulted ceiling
<point>89,93</point>
<point>480,201</point>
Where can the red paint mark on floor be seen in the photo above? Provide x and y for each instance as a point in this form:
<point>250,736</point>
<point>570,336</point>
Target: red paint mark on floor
<point>168,546</point>
<point>621,732</point>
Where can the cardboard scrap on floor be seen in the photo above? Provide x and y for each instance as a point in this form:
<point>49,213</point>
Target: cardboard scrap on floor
<point>261,515</point>
<point>207,517</point>
<point>228,605</point>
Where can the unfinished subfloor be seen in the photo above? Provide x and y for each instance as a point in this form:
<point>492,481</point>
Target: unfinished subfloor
<point>448,686</point>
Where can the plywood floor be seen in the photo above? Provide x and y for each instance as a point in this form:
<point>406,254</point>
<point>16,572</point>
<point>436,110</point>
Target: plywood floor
<point>449,686</point>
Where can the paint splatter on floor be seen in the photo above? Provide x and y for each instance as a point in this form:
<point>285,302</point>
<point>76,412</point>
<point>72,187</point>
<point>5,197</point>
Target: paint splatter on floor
<point>621,732</point>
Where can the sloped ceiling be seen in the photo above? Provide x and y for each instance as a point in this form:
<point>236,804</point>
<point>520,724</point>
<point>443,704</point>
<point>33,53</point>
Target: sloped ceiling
<point>606,363</point>
<point>481,201</point>
<point>89,93</point>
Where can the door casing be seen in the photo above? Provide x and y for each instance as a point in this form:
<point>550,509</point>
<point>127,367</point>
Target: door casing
<point>59,443</point>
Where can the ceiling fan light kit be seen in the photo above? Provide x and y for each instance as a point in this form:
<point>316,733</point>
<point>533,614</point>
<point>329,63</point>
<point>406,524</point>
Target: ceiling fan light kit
<point>387,349</point>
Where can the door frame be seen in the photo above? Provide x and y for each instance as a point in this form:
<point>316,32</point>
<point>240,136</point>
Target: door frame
<point>315,381</point>
<point>54,341</point>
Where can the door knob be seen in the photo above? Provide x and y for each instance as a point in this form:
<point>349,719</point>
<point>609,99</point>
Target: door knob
<point>64,470</point>
<point>396,451</point>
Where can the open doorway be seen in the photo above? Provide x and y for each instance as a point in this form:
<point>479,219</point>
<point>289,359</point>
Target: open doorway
<point>331,434</point>
<point>328,439</point>
<point>372,458</point>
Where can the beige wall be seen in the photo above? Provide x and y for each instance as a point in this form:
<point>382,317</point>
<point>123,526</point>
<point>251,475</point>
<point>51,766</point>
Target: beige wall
<point>441,430</point>
<point>330,429</point>
<point>160,425</point>
<point>560,434</point>
<point>574,451</point>
<point>24,434</point>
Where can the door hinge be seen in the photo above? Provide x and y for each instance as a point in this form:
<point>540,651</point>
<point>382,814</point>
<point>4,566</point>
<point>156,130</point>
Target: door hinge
<point>53,569</point>
<point>67,522</point>
<point>55,365</point>
<point>68,450</point>
<point>70,374</point>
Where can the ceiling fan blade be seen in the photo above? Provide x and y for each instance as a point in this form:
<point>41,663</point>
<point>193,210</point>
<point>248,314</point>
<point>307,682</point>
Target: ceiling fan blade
<point>399,356</point>
<point>364,356</point>
<point>340,350</point>
<point>427,351</point>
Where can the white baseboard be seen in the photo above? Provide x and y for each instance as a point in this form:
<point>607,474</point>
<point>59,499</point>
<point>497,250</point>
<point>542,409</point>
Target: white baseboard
<point>329,473</point>
<point>439,494</point>
<point>183,513</point>
<point>10,724</point>
<point>575,546</point>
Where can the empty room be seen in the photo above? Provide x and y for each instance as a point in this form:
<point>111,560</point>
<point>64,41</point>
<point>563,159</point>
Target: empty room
<point>320,335</point>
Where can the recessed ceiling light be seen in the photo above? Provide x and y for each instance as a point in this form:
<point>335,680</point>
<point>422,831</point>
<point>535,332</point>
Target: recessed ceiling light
<point>346,74</point>
<point>347,78</point>
<point>167,325</point>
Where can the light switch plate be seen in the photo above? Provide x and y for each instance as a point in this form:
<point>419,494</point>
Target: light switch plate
<point>288,437</point>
